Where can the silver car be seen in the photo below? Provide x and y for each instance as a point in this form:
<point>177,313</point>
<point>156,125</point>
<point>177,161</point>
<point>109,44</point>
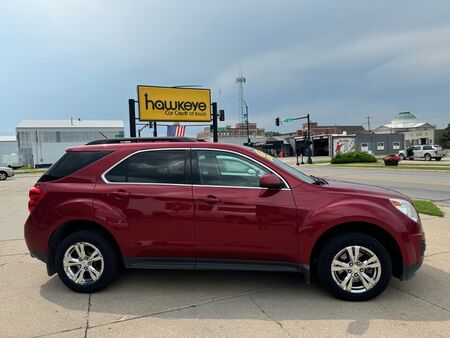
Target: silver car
<point>426,152</point>
<point>6,172</point>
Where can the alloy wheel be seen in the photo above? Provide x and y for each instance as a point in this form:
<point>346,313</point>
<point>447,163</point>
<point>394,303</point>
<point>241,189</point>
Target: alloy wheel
<point>356,269</point>
<point>83,263</point>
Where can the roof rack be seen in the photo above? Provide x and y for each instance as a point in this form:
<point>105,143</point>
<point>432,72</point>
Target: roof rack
<point>142,140</point>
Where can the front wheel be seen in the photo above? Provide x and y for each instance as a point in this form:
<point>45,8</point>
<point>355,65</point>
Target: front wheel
<point>354,267</point>
<point>3,175</point>
<point>402,157</point>
<point>86,261</point>
<point>427,157</point>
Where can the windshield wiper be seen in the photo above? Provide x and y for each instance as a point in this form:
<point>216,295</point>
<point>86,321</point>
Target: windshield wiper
<point>319,180</point>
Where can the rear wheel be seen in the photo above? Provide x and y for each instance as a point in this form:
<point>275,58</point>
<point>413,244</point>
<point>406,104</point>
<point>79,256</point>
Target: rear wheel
<point>354,266</point>
<point>427,157</point>
<point>3,175</point>
<point>86,261</point>
<point>438,158</point>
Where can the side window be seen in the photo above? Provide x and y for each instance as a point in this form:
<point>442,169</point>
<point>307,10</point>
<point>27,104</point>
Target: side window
<point>228,169</point>
<point>160,166</point>
<point>427,148</point>
<point>417,147</point>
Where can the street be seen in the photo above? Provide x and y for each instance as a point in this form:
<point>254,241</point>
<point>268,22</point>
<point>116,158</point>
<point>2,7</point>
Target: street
<point>420,184</point>
<point>158,303</point>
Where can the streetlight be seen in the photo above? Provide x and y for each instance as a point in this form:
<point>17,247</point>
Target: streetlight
<point>246,120</point>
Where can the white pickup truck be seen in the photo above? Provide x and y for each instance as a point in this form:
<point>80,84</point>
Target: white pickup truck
<point>428,152</point>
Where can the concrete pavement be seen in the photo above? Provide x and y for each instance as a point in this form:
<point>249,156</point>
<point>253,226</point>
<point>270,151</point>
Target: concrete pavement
<point>211,303</point>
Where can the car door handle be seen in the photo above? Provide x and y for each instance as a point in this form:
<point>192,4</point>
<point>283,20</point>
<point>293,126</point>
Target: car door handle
<point>119,195</point>
<point>210,199</point>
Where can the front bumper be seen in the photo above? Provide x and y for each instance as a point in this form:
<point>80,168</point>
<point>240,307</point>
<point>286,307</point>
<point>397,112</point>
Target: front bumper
<point>410,271</point>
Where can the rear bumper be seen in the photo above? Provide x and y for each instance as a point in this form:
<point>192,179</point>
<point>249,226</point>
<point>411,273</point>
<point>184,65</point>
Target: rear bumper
<point>43,256</point>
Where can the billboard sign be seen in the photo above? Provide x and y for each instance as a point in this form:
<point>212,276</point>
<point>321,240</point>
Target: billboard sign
<point>343,145</point>
<point>174,104</point>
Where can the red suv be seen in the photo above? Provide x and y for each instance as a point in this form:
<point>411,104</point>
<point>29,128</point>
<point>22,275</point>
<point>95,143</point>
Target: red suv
<point>194,205</point>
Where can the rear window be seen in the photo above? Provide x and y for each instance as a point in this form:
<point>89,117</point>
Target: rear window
<point>71,162</point>
<point>161,166</point>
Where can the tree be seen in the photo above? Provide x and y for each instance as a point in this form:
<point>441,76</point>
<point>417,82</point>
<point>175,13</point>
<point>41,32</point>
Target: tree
<point>446,136</point>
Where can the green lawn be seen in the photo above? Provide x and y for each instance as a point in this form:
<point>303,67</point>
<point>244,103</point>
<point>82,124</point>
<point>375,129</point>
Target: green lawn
<point>428,208</point>
<point>380,164</point>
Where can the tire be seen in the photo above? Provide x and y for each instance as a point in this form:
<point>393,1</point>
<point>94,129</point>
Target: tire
<point>402,157</point>
<point>82,277</point>
<point>438,158</point>
<point>3,175</point>
<point>427,157</point>
<point>360,289</point>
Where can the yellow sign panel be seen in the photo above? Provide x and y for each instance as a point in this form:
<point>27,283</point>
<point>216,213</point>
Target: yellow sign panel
<point>174,104</point>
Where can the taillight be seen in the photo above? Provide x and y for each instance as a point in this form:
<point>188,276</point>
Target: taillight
<point>35,194</point>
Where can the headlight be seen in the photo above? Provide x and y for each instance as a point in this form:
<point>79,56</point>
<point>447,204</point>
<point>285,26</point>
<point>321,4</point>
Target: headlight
<point>406,208</point>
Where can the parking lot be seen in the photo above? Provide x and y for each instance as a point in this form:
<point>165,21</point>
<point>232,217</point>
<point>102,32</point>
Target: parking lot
<point>210,303</point>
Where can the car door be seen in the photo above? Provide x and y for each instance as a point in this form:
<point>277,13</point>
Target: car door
<point>239,224</point>
<point>418,152</point>
<point>153,192</point>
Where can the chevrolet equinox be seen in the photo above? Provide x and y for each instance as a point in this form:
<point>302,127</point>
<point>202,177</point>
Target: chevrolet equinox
<point>195,205</point>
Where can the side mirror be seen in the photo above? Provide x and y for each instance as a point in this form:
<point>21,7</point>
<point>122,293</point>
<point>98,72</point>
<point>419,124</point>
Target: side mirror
<point>270,181</point>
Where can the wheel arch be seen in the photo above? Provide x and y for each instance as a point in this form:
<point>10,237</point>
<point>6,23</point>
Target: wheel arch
<point>68,228</point>
<point>383,236</point>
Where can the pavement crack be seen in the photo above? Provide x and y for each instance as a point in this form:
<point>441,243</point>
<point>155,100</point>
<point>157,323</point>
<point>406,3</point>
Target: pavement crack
<point>17,254</point>
<point>420,298</point>
<point>268,316</point>
<point>57,333</point>
<point>87,315</point>
<point>214,300</point>
<point>438,253</point>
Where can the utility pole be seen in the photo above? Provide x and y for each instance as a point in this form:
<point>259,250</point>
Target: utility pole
<point>368,122</point>
<point>246,121</point>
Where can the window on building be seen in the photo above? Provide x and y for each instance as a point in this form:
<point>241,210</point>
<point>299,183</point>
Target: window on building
<point>364,146</point>
<point>396,145</point>
<point>380,145</point>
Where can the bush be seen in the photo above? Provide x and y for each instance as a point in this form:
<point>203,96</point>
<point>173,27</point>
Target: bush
<point>353,157</point>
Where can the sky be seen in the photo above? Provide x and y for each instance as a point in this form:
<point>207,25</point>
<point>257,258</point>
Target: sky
<point>339,61</point>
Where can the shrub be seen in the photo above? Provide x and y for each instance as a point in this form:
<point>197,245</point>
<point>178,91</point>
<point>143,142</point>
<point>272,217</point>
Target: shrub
<point>353,157</point>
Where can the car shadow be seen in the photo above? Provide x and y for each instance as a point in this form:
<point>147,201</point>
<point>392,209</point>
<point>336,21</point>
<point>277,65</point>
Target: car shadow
<point>243,295</point>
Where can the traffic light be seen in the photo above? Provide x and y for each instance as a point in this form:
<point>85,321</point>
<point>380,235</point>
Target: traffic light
<point>277,121</point>
<point>221,115</point>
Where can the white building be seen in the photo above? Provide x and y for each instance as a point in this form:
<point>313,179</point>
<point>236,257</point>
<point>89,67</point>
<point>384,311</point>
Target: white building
<point>8,146</point>
<point>415,131</point>
<point>43,142</point>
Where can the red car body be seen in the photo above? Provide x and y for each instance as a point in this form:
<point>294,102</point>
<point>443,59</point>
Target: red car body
<point>199,226</point>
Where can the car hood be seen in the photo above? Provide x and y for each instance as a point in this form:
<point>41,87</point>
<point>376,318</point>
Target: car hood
<point>362,189</point>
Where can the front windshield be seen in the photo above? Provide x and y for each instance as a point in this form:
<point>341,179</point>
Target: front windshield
<point>284,166</point>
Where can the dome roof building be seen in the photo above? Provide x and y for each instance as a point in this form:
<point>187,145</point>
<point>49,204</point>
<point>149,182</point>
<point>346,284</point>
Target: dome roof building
<point>416,131</point>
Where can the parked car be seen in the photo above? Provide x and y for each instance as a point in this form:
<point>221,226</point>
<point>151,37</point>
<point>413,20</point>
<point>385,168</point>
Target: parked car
<point>192,205</point>
<point>6,172</point>
<point>427,152</point>
<point>391,160</point>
